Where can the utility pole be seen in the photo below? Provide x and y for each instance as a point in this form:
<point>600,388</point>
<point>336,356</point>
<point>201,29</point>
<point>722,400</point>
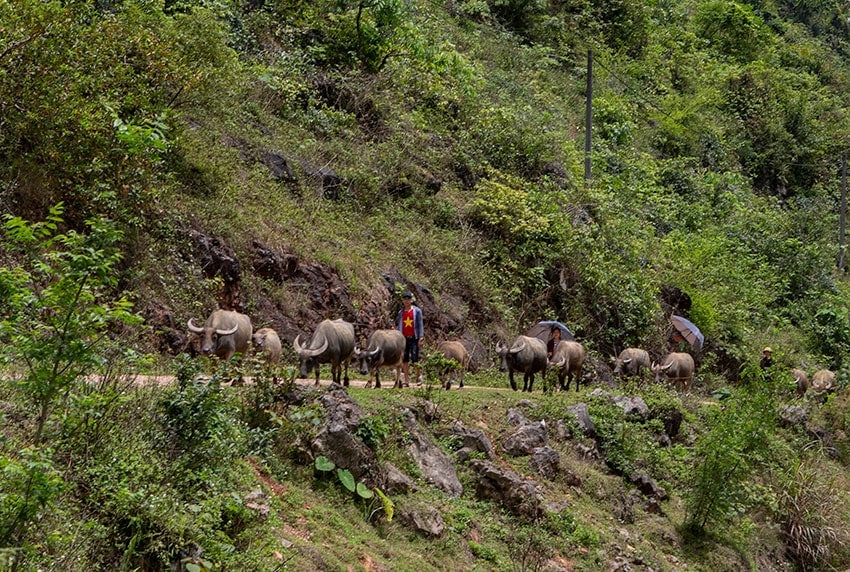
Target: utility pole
<point>588,117</point>
<point>843,215</point>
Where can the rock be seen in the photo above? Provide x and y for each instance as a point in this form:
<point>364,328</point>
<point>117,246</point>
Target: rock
<point>647,486</point>
<point>336,440</point>
<point>582,417</point>
<point>425,520</point>
<point>396,482</point>
<point>258,501</point>
<point>634,407</point>
<point>526,439</point>
<point>516,418</point>
<point>545,461</point>
<point>279,166</point>
<point>791,415</point>
<point>473,439</point>
<point>507,489</point>
<point>436,467</point>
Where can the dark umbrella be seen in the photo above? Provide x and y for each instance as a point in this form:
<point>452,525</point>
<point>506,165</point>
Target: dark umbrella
<point>543,330</point>
<point>688,330</point>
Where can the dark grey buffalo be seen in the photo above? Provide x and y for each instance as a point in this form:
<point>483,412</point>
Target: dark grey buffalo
<point>568,357</point>
<point>526,355</point>
<point>224,333</point>
<point>631,362</point>
<point>333,343</point>
<point>267,341</point>
<point>454,351</point>
<point>677,367</point>
<point>385,349</point>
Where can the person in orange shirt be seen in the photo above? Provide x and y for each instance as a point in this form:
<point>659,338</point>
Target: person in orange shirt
<point>410,324</point>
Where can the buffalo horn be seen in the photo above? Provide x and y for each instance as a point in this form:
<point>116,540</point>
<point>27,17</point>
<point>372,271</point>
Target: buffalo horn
<point>228,332</point>
<point>307,352</point>
<point>627,361</point>
<point>374,352</point>
<point>194,328</point>
<point>296,344</point>
<point>517,349</point>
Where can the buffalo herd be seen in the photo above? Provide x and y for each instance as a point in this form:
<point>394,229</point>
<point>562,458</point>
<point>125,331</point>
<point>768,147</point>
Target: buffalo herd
<point>226,333</point>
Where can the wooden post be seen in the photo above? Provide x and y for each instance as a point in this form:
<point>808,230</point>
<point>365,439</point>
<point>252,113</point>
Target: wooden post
<point>842,215</point>
<point>588,117</point>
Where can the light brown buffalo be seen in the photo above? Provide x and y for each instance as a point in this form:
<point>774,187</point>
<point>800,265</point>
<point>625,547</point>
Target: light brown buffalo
<point>568,357</point>
<point>224,333</point>
<point>267,341</point>
<point>631,361</point>
<point>823,380</point>
<point>677,367</point>
<point>454,351</point>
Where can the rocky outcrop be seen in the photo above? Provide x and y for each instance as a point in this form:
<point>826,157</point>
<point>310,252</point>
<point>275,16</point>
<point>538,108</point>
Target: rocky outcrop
<point>525,439</point>
<point>508,490</point>
<point>437,467</point>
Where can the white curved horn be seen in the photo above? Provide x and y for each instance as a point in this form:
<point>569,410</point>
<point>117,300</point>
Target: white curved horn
<point>627,361</point>
<point>228,332</point>
<point>307,352</point>
<point>517,349</point>
<point>194,328</point>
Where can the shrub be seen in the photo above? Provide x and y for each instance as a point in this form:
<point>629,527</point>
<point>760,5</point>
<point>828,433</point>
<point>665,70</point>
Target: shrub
<point>737,445</point>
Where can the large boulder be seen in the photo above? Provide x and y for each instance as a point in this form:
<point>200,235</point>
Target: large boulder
<point>424,520</point>
<point>337,441</point>
<point>473,441</point>
<point>436,466</point>
<point>545,461</point>
<point>582,419</point>
<point>507,489</point>
<point>525,439</point>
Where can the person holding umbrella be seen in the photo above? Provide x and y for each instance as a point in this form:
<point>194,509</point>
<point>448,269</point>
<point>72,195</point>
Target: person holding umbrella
<point>553,341</point>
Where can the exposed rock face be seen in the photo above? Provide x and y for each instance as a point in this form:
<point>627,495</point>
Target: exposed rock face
<point>526,439</point>
<point>396,482</point>
<point>474,440</point>
<point>634,407</point>
<point>648,487</point>
<point>545,461</point>
<point>582,417</point>
<point>336,439</point>
<point>424,520</point>
<point>436,467</point>
<point>793,415</point>
<point>508,489</point>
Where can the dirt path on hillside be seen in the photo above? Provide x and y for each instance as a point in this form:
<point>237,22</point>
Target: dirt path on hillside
<point>164,380</point>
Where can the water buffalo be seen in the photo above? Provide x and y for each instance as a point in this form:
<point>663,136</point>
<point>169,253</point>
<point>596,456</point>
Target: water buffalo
<point>457,352</point>
<point>385,349</point>
<point>677,367</point>
<point>801,379</point>
<point>568,357</point>
<point>333,343</point>
<point>224,333</point>
<point>267,341</point>
<point>823,380</point>
<point>631,362</point>
<point>526,355</point>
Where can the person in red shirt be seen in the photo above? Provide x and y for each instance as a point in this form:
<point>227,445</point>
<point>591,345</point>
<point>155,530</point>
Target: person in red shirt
<point>410,324</point>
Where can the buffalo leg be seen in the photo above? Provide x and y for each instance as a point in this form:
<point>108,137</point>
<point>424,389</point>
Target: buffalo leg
<point>527,382</point>
<point>345,379</point>
<point>377,380</point>
<point>511,377</point>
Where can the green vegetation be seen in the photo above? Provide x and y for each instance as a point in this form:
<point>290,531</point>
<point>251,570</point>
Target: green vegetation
<point>436,144</point>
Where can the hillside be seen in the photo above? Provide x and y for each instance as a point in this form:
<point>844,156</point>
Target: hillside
<point>298,161</point>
